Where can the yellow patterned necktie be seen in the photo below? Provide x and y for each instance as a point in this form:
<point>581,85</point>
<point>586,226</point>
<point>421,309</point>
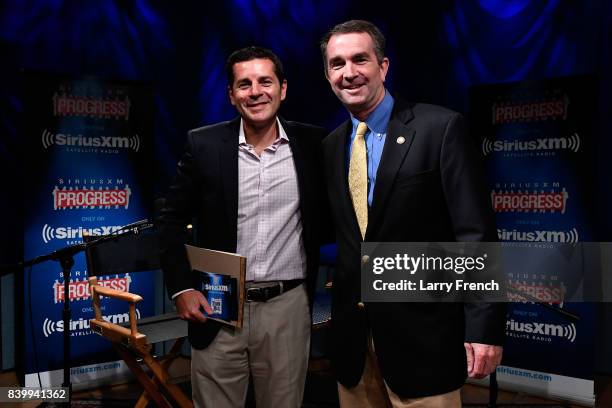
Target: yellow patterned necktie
<point>358,178</point>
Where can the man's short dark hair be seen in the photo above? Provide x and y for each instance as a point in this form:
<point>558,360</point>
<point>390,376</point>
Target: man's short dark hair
<point>356,26</point>
<point>251,53</point>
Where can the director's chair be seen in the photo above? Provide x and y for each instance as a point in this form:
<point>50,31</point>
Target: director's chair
<point>133,253</point>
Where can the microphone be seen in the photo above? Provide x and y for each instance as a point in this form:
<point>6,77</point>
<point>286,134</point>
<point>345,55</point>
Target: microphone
<point>57,255</point>
<point>135,227</point>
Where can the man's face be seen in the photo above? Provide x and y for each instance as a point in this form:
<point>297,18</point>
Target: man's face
<point>256,92</point>
<point>354,73</point>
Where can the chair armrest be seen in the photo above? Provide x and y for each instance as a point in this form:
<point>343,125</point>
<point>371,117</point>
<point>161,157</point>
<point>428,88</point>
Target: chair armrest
<point>119,334</point>
<point>117,294</point>
<point>97,290</point>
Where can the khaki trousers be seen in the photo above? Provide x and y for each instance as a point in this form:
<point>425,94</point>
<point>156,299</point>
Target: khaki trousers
<point>373,392</point>
<point>272,346</point>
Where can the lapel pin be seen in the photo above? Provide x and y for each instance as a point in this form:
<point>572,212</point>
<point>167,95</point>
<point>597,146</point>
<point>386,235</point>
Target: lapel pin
<point>400,140</point>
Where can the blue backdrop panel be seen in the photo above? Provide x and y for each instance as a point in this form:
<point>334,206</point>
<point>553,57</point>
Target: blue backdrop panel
<point>538,138</point>
<point>89,158</point>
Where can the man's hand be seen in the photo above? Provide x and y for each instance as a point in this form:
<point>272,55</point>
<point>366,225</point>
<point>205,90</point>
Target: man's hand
<point>482,359</point>
<point>188,305</point>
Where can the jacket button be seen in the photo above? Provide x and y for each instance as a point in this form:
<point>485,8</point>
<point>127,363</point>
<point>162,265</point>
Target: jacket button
<point>361,305</point>
<point>365,259</point>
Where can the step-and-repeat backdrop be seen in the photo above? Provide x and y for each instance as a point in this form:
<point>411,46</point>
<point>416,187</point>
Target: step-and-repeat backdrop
<point>87,162</point>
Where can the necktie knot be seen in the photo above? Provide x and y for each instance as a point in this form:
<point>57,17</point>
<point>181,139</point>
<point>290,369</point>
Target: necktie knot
<point>362,128</point>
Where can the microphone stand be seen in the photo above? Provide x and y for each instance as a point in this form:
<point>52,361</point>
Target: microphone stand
<point>65,257</point>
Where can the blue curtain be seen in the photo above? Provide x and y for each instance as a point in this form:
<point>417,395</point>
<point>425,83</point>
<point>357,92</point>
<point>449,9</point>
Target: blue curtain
<point>438,49</point>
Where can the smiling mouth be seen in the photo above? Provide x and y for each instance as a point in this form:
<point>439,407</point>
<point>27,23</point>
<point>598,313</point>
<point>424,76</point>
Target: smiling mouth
<point>257,105</point>
<point>352,89</point>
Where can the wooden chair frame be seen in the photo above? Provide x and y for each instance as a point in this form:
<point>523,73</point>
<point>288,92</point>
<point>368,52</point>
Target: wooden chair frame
<point>134,347</point>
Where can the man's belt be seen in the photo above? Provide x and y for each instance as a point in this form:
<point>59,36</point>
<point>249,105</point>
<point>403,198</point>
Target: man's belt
<point>265,293</point>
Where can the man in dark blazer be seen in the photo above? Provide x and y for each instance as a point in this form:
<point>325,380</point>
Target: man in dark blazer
<point>253,185</point>
<point>423,184</point>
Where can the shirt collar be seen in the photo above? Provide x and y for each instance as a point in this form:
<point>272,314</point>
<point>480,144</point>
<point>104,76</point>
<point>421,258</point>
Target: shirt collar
<point>282,135</point>
<point>379,118</point>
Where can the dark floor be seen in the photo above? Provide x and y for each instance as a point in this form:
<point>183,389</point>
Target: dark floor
<point>320,393</point>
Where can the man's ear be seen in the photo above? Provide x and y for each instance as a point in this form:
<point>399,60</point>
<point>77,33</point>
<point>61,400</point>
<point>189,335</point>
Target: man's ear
<point>230,93</point>
<point>283,90</point>
<point>384,68</point>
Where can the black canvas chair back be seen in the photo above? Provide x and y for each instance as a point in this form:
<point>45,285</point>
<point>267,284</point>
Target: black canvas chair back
<point>124,254</point>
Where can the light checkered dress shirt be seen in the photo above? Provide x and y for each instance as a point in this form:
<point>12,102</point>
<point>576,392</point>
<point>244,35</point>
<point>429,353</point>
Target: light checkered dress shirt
<point>269,218</point>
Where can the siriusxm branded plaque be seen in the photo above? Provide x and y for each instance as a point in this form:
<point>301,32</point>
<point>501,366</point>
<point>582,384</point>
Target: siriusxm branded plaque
<point>220,276</point>
<point>221,291</point>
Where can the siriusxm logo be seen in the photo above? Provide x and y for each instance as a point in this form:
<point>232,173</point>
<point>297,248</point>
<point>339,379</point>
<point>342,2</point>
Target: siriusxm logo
<point>218,288</point>
<point>566,331</point>
<point>538,236</point>
<point>553,143</point>
<point>49,233</point>
<point>110,142</point>
<point>49,326</point>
